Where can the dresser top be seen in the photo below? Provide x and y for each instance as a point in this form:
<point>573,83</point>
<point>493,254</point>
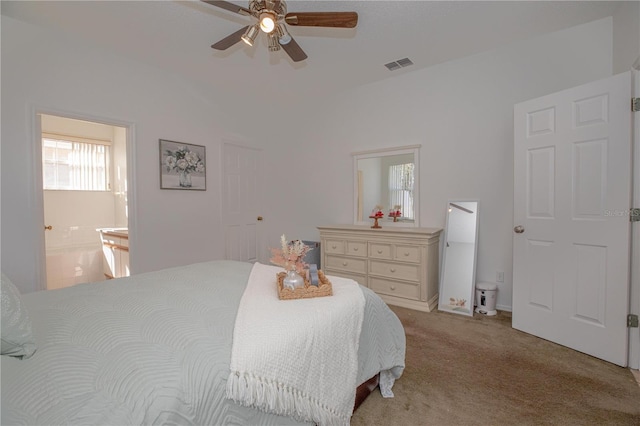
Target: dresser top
<point>383,230</point>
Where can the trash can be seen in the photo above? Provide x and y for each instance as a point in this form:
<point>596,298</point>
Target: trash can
<point>313,255</point>
<point>486,298</point>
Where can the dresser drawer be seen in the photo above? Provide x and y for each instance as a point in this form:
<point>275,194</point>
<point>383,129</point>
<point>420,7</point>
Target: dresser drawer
<point>380,251</point>
<point>357,248</point>
<point>358,266</point>
<point>394,288</point>
<point>399,271</point>
<point>334,247</point>
<point>360,279</point>
<point>408,253</point>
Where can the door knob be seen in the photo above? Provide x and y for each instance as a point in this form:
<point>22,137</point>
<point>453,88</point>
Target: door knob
<point>518,229</point>
<point>48,228</point>
<point>259,218</point>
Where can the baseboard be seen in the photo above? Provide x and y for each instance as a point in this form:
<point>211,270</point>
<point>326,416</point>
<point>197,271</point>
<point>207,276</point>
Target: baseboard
<point>504,308</point>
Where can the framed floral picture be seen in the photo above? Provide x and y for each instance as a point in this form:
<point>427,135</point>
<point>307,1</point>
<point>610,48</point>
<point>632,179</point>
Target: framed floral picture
<point>182,166</point>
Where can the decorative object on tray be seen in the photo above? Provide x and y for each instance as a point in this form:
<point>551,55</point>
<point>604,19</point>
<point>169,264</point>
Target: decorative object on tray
<point>293,283</point>
<point>395,212</point>
<point>376,214</point>
<point>182,166</point>
<point>290,255</point>
<point>307,291</point>
<point>292,280</point>
<point>314,279</point>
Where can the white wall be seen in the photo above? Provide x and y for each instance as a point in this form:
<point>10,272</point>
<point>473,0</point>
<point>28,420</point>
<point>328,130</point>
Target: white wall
<point>460,111</point>
<point>462,114</point>
<point>626,36</point>
<point>48,70</point>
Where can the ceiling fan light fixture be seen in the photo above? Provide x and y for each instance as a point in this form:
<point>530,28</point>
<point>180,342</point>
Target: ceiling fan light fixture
<point>250,35</point>
<point>272,18</point>
<point>267,22</point>
<point>274,46</point>
<point>283,35</point>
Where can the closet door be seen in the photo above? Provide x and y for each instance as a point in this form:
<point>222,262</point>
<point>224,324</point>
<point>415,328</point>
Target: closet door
<point>241,203</point>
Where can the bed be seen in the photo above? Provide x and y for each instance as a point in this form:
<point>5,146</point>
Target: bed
<point>156,348</point>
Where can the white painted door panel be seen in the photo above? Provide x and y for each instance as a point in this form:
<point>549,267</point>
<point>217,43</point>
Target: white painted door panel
<point>572,186</point>
<point>241,202</point>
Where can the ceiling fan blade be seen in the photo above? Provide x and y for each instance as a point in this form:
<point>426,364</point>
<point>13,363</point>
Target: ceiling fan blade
<point>229,6</point>
<point>323,19</point>
<point>230,40</point>
<point>294,50</point>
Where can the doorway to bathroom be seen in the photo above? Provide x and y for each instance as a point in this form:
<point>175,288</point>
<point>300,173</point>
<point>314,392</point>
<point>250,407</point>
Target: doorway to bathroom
<point>85,200</point>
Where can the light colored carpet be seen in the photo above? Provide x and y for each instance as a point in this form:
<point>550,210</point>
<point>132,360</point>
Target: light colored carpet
<point>480,371</point>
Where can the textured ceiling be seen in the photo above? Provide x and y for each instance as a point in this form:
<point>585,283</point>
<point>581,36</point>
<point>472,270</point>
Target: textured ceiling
<point>177,36</point>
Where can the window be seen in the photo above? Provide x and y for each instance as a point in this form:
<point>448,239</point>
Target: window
<point>74,164</point>
<point>401,178</point>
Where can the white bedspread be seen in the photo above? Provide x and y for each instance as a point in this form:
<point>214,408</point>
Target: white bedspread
<point>155,349</point>
<point>297,357</point>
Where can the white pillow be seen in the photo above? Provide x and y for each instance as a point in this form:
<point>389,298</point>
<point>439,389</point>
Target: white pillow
<point>17,339</point>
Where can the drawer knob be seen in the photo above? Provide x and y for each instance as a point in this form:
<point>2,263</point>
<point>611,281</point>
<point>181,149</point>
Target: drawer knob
<point>379,251</point>
<point>334,246</point>
<point>392,269</point>
<point>355,249</point>
<point>406,253</point>
<point>344,263</point>
<point>393,287</point>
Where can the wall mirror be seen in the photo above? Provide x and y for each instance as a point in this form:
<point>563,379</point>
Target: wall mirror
<point>457,282</point>
<point>387,179</point>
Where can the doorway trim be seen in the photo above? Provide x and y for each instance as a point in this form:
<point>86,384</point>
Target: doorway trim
<point>634,296</point>
<point>38,192</point>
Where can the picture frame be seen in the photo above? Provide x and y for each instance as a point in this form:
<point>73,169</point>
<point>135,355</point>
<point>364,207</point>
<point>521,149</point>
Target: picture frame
<point>182,166</point>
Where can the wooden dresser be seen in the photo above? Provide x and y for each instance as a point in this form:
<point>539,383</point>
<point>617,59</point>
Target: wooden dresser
<point>399,264</point>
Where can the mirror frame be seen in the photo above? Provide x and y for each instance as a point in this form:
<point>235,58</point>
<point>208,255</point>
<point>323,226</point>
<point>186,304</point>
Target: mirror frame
<point>385,152</point>
<point>444,259</point>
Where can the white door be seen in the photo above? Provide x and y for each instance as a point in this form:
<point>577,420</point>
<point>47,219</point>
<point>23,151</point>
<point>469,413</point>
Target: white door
<point>572,187</point>
<point>241,202</point>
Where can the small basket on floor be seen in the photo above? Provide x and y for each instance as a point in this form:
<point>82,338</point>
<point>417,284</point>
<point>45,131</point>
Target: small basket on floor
<point>323,288</point>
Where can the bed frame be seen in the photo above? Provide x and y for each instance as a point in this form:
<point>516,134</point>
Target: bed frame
<point>364,390</point>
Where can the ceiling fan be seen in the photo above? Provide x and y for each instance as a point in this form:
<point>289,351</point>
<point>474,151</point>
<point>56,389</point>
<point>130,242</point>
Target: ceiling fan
<point>272,19</point>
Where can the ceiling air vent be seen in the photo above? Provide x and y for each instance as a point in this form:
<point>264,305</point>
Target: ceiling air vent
<point>393,66</point>
<point>400,63</point>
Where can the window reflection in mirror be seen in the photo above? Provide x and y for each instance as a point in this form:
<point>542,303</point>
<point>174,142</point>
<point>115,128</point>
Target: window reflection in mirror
<point>387,180</point>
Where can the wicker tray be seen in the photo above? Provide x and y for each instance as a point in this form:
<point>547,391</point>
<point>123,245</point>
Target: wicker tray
<point>323,289</point>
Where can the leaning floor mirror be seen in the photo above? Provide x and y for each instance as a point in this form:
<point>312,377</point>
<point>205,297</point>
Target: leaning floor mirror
<point>457,282</point>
